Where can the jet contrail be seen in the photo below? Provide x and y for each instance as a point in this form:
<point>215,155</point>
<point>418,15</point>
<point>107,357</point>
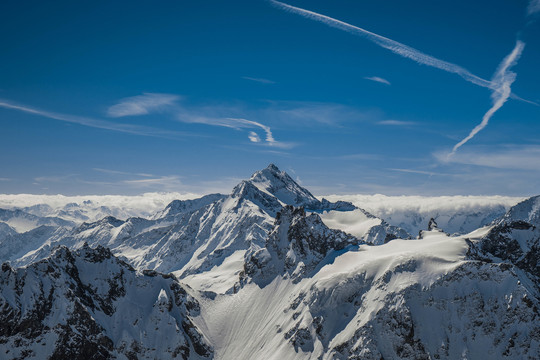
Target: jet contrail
<point>500,83</point>
<point>392,45</point>
<point>502,80</point>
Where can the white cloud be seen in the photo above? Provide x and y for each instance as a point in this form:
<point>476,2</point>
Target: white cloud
<point>234,123</point>
<point>136,205</point>
<point>259,80</point>
<point>165,182</point>
<point>502,80</point>
<point>378,79</point>
<point>116,172</point>
<point>413,212</point>
<point>95,123</point>
<point>421,172</point>
<point>141,104</point>
<point>253,137</point>
<point>382,204</point>
<point>534,7</point>
<point>323,113</point>
<point>146,103</point>
<point>396,123</point>
<point>507,157</point>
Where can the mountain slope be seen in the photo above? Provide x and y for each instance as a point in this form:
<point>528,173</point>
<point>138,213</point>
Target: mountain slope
<point>89,305</point>
<point>22,221</point>
<point>514,239</point>
<point>295,246</point>
<point>414,299</point>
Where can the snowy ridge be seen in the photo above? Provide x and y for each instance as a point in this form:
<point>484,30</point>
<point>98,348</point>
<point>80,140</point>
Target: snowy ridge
<point>280,185</point>
<point>88,304</point>
<point>414,299</point>
<point>295,246</point>
<point>514,239</point>
<point>177,207</point>
<point>91,207</point>
<point>22,221</point>
<point>454,214</point>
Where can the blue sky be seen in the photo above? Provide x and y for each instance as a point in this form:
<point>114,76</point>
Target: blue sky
<point>101,97</point>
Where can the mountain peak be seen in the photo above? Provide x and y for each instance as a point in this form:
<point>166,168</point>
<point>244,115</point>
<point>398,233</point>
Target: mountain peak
<point>272,167</point>
<point>278,183</point>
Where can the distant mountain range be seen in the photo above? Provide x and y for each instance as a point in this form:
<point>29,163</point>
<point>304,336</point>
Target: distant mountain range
<point>270,271</point>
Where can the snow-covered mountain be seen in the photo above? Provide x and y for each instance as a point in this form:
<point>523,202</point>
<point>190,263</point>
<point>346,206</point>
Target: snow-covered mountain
<point>88,304</point>
<point>271,272</point>
<point>91,208</point>
<point>295,246</point>
<point>193,236</point>
<point>22,221</point>
<point>407,299</point>
<point>515,239</point>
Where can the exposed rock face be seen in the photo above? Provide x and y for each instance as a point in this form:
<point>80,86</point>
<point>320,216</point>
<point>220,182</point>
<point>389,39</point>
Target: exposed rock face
<point>453,317</point>
<point>514,239</point>
<point>296,245</point>
<point>90,305</point>
<point>432,228</point>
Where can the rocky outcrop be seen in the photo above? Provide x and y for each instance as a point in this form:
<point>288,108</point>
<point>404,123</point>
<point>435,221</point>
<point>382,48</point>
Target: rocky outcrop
<point>88,304</point>
<point>297,244</point>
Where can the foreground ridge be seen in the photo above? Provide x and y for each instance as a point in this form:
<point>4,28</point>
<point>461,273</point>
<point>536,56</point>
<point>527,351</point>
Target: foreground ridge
<point>88,304</point>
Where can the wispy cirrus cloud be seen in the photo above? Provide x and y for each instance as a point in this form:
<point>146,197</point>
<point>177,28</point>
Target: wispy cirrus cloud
<point>318,112</point>
<point>90,122</point>
<point>502,80</point>
<point>534,7</point>
<point>522,157</point>
<point>254,137</point>
<point>117,179</point>
<point>420,172</point>
<point>378,79</point>
<point>164,182</point>
<point>117,172</point>
<point>259,80</point>
<point>141,104</point>
<point>147,103</point>
<point>389,44</point>
<point>396,123</point>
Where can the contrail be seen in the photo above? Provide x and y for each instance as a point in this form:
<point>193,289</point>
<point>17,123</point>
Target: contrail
<point>392,45</point>
<point>502,80</point>
<point>500,83</point>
